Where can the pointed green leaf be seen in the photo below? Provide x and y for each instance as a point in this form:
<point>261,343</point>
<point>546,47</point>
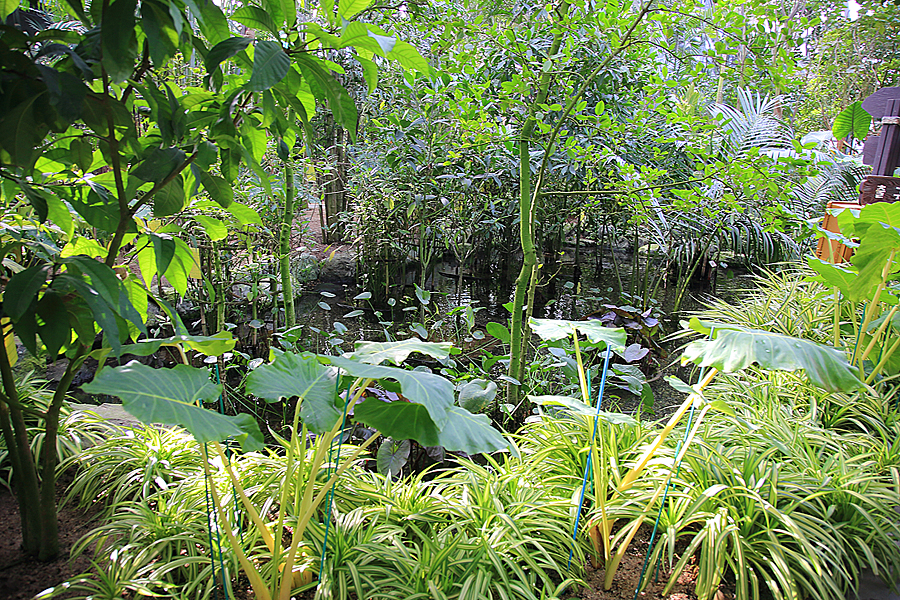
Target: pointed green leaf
<point>270,65</point>
<point>118,39</point>
<point>225,50</point>
<point>853,120</point>
<point>408,57</point>
<point>432,391</point>
<point>734,348</point>
<point>255,18</point>
<point>21,290</point>
<point>326,87</point>
<point>170,396</point>
<point>218,189</point>
<point>215,229</point>
<point>498,331</point>
<point>370,72</point>
<point>299,375</point>
<point>375,353</point>
<point>169,199</point>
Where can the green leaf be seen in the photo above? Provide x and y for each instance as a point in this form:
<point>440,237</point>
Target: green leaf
<point>58,212</point>
<point>375,353</point>
<point>370,72</point>
<point>160,30</point>
<point>270,65</point>
<point>54,330</point>
<point>19,131</point>
<point>325,86</point>
<point>853,120</point>
<point>170,396</point>
<point>392,456</point>
<point>424,296</point>
<point>82,154</point>
<point>159,164</point>
<point>347,9</point>
<point>408,57</point>
<point>255,18</point>
<point>244,214</point>
<point>215,229</point>
<point>211,345</point>
<point>299,375</point>
<point>498,331</point>
<point>476,395</point>
<point>225,50</point>
<point>169,199</point>
<point>734,348</point>
<point>835,276</point>
<point>217,188</point>
<point>554,329</point>
<point>22,289</point>
<point>580,408</point>
<point>7,7</point>
<point>472,434</point>
<point>38,200</point>
<point>432,391</point>
<point>401,420</point>
<point>118,39</point>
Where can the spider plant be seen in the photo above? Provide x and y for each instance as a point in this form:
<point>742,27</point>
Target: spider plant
<point>134,465</point>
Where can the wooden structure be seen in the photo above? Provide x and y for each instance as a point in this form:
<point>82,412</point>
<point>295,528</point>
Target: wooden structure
<point>883,153</point>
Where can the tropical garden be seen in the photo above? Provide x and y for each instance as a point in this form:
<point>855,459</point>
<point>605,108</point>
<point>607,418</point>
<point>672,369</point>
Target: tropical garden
<point>470,299</point>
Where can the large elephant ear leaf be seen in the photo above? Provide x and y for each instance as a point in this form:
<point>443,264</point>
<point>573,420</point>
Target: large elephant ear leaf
<point>555,329</point>
<point>171,397</point>
<point>375,353</point>
<point>733,349</point>
<point>432,391</point>
<point>853,120</point>
<point>304,376</point>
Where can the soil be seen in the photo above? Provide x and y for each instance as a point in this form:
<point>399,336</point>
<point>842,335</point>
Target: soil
<point>22,578</point>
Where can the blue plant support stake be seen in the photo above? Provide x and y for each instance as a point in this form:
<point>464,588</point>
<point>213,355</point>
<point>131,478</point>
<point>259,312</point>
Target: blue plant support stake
<point>331,491</point>
<point>587,468</point>
<point>687,432</point>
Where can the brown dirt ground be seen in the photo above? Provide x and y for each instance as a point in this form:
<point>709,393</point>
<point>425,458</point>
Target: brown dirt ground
<point>21,578</point>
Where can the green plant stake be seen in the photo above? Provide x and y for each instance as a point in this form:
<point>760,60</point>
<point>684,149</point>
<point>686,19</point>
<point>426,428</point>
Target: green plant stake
<point>587,467</point>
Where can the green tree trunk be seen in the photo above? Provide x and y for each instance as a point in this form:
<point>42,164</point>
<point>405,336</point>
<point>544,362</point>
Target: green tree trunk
<point>287,229</point>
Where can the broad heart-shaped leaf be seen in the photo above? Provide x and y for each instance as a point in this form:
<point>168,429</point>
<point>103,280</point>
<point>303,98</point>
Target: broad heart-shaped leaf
<point>392,456</point>
<point>399,420</point>
<point>555,329</point>
<point>853,120</point>
<point>170,396</point>
<point>432,391</point>
<point>472,434</point>
<point>270,65</point>
<point>578,407</point>
<point>734,348</point>
<point>476,395</point>
<point>375,353</point>
<point>302,375</point>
